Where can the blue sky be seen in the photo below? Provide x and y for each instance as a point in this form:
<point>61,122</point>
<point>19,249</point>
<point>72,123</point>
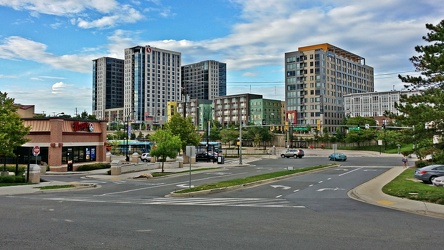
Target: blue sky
<point>47,46</point>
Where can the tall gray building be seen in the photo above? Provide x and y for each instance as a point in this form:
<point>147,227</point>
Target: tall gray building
<point>107,87</point>
<point>152,77</point>
<point>205,80</point>
<point>316,79</point>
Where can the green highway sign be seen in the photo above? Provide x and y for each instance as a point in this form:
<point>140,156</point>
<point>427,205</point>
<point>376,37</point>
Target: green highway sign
<point>300,128</point>
<point>354,129</point>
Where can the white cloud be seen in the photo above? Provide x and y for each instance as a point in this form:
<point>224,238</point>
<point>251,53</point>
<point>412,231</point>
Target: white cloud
<point>60,97</point>
<point>85,14</point>
<point>19,48</point>
<point>7,76</point>
<point>61,8</point>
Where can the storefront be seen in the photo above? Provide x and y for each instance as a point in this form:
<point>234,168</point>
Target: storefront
<point>64,141</point>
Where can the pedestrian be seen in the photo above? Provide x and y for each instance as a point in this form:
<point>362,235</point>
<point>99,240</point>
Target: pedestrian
<point>404,161</point>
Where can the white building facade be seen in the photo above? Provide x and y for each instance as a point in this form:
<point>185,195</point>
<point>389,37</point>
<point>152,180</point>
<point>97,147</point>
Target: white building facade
<point>152,78</point>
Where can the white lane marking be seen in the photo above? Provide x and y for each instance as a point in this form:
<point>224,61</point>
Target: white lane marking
<point>297,190</point>
<point>230,202</point>
<point>170,184</point>
<point>184,186</point>
<point>333,189</point>
<point>350,171</point>
<point>279,196</point>
<point>320,181</point>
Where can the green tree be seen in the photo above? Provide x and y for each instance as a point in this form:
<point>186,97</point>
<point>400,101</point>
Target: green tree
<point>167,145</point>
<point>185,129</point>
<point>362,135</point>
<point>424,112</point>
<point>229,135</point>
<point>12,129</point>
<point>215,131</point>
<point>85,116</point>
<point>259,134</point>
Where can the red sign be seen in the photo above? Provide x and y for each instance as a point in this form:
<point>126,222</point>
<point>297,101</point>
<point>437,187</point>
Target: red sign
<point>36,150</point>
<point>148,50</point>
<point>83,126</point>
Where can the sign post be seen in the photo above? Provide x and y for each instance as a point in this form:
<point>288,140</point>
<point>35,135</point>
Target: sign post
<point>36,152</point>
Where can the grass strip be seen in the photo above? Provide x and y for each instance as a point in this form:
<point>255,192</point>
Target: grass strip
<point>56,187</point>
<point>250,179</point>
<point>405,186</point>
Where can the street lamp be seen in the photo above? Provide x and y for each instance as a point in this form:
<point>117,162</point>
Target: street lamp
<point>240,143</point>
<point>127,136</point>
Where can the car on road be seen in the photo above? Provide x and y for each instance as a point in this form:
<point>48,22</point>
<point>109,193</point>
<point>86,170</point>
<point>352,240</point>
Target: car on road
<point>296,153</point>
<point>438,181</point>
<point>206,156</point>
<point>428,173</point>
<point>337,157</point>
<point>146,157</point>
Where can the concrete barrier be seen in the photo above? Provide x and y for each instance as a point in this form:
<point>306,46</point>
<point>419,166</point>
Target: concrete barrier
<point>34,174</point>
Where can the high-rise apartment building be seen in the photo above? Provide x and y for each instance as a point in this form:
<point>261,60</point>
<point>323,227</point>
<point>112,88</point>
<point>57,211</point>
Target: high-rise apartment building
<point>316,79</point>
<point>205,80</point>
<point>374,104</point>
<point>152,78</point>
<point>233,109</point>
<point>107,87</point>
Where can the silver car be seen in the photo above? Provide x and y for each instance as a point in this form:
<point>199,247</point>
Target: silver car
<point>438,181</point>
<point>296,153</point>
<point>428,173</point>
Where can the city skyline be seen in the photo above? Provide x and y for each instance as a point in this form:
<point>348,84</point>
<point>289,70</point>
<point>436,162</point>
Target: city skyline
<point>47,48</point>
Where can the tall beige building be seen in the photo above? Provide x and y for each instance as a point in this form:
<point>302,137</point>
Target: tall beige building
<point>316,79</point>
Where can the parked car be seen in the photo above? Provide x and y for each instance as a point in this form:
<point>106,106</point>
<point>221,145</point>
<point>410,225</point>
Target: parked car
<point>296,153</point>
<point>145,157</point>
<point>206,156</point>
<point>337,157</point>
<point>438,181</point>
<point>428,173</point>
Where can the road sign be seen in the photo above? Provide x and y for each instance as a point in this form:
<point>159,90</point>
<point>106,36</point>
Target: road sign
<point>354,129</point>
<point>300,128</point>
<point>367,126</point>
<point>36,150</point>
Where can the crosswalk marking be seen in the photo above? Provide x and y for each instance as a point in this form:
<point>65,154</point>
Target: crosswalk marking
<point>171,201</point>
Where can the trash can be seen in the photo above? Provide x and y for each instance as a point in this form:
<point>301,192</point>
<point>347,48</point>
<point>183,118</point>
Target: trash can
<point>220,159</point>
<point>70,165</point>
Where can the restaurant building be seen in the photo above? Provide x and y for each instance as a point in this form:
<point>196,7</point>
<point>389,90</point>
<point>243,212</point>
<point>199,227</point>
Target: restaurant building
<point>63,141</point>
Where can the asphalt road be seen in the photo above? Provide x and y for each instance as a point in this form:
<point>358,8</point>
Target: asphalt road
<point>300,212</point>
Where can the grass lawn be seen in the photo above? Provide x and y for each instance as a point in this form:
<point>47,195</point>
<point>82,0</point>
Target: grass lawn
<point>406,186</point>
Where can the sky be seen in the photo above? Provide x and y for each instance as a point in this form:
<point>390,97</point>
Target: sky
<point>47,46</point>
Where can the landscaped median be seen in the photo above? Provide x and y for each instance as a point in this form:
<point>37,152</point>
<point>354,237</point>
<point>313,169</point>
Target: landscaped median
<point>247,181</point>
<point>406,186</point>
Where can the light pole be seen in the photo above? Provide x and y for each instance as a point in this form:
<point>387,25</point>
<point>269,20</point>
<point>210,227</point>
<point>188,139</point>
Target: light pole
<point>127,136</point>
<point>240,143</point>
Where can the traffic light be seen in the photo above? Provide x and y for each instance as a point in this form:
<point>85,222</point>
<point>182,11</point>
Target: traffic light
<point>383,126</point>
<point>264,122</point>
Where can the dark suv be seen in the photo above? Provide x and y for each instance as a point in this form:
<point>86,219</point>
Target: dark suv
<point>206,156</point>
<point>296,153</point>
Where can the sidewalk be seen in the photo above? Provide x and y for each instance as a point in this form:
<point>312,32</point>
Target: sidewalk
<point>369,192</point>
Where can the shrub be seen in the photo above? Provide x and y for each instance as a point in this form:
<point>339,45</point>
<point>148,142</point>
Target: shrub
<point>421,163</point>
<point>12,179</point>
<point>93,166</point>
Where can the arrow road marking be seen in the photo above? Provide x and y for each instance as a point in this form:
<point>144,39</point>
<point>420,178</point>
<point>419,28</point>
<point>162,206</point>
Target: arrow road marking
<point>280,186</point>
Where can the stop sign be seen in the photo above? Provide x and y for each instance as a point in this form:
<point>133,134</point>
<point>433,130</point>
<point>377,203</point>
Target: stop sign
<point>36,150</point>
